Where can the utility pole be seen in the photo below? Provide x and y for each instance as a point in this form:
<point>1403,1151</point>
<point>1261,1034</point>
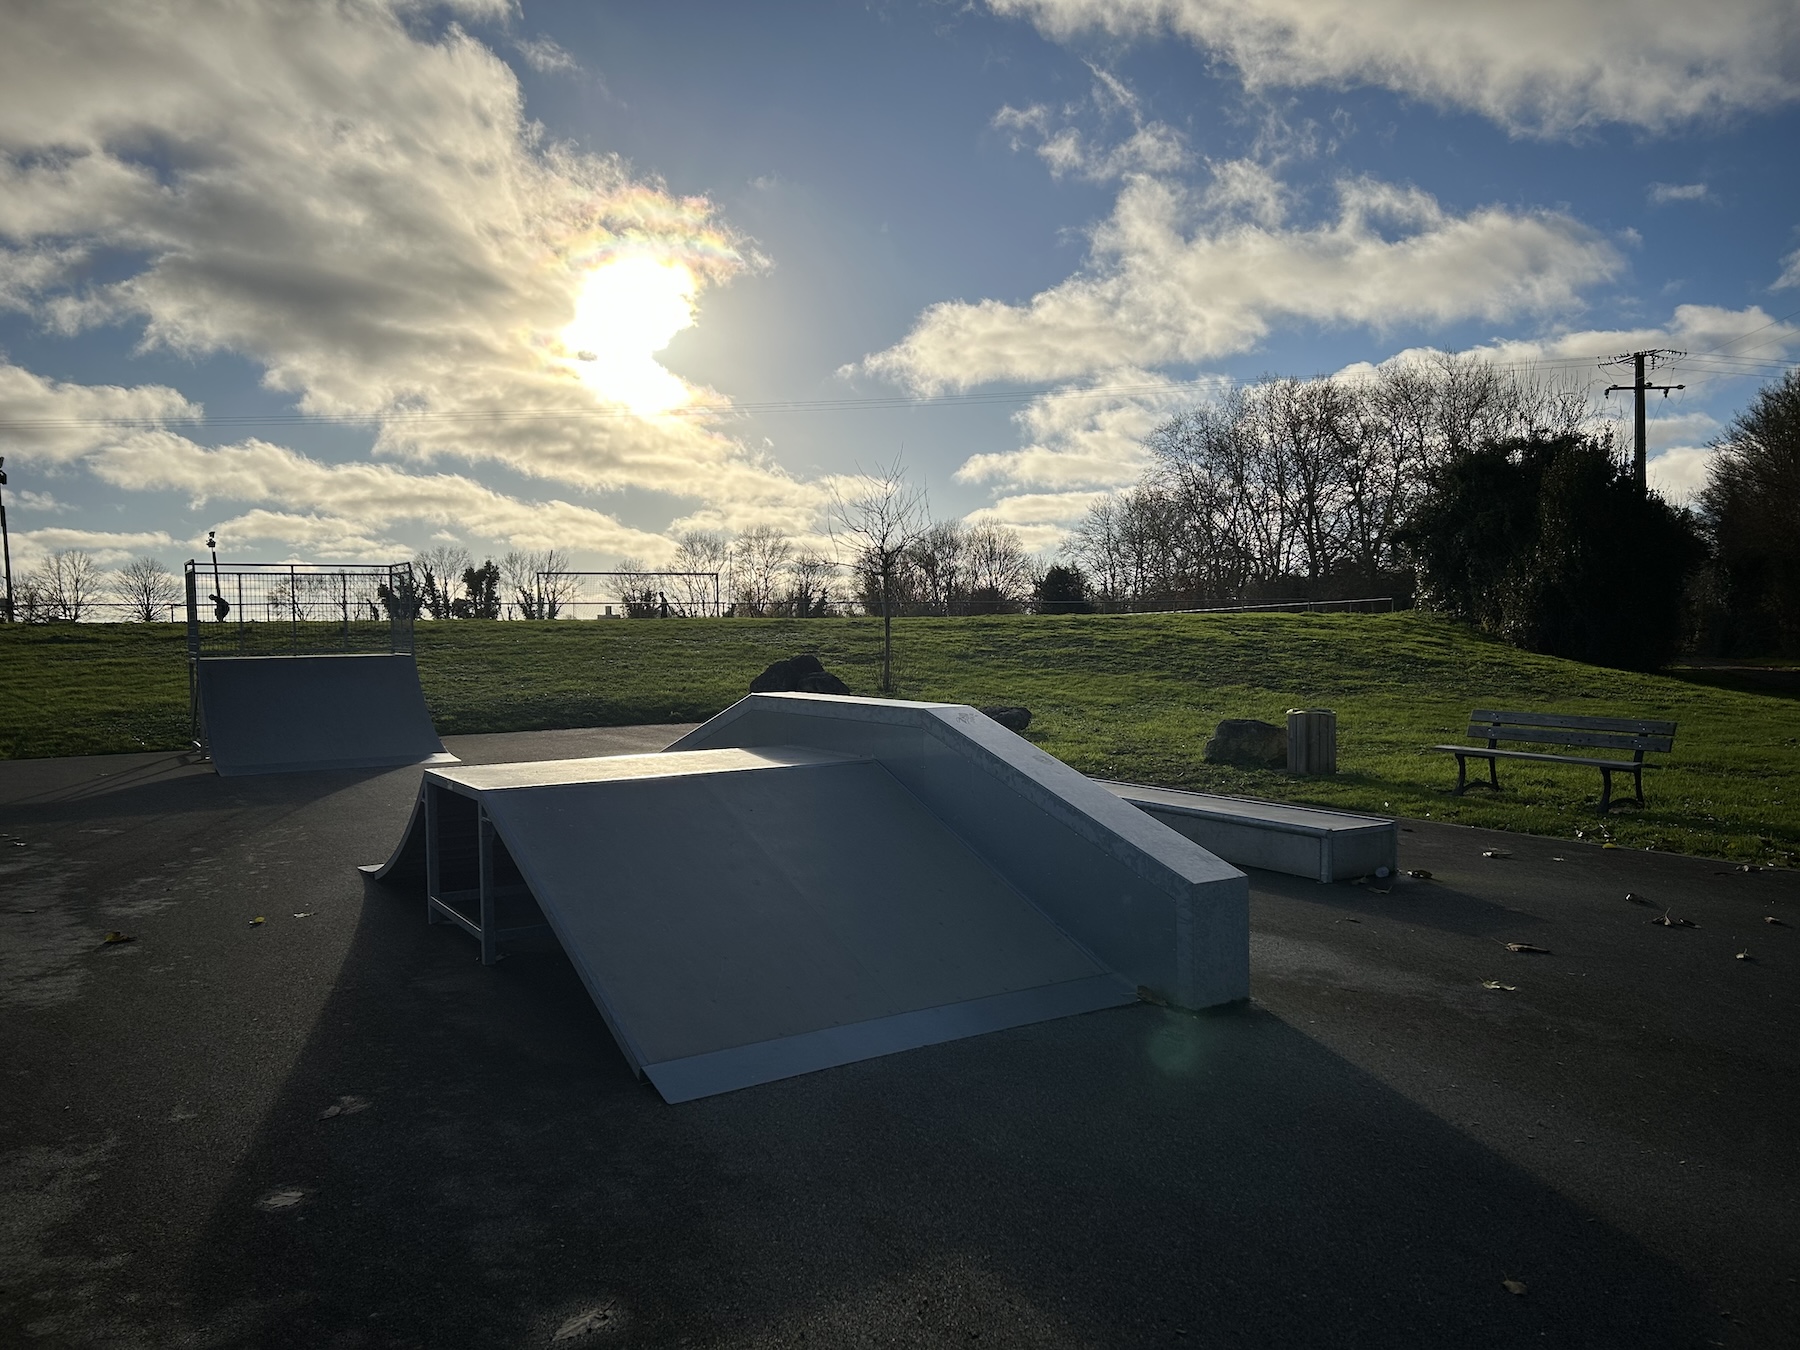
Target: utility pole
<point>5,541</point>
<point>1642,362</point>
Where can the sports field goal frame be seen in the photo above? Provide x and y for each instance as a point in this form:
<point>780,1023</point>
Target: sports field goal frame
<point>651,602</point>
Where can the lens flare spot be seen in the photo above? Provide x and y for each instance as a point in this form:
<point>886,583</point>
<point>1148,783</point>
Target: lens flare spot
<point>630,308</point>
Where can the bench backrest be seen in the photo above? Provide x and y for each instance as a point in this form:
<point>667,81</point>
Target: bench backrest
<point>1614,733</point>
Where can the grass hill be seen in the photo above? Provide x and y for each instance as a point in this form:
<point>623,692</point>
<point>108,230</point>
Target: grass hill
<point>1128,697</point>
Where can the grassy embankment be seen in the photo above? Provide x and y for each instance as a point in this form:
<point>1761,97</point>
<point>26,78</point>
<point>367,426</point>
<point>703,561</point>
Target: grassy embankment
<point>1130,698</point>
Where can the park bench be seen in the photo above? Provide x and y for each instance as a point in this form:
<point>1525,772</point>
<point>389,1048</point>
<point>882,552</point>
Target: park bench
<point>1635,734</point>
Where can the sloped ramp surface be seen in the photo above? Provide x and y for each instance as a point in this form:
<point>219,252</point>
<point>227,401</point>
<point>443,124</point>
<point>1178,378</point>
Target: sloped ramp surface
<point>741,916</point>
<point>283,714</point>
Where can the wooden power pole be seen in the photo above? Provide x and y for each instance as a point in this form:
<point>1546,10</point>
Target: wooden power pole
<point>1642,364</point>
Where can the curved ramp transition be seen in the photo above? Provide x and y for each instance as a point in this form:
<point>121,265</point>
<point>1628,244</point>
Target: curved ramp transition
<point>284,714</point>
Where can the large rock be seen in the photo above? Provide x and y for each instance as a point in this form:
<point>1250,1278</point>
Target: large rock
<point>820,682</point>
<point>1248,743</point>
<point>798,675</point>
<point>1010,716</point>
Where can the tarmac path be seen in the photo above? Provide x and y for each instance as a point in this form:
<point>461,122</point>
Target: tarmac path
<point>335,1128</point>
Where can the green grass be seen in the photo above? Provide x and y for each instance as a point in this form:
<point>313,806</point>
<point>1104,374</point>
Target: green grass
<point>1130,698</point>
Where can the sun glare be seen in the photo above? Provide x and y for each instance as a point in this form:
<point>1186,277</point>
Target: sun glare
<point>630,309</point>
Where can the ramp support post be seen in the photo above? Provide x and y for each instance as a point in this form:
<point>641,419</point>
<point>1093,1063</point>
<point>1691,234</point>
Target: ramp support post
<point>490,953</point>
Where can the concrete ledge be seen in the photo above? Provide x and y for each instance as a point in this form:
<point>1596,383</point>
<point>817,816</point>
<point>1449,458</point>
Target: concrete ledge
<point>1301,841</point>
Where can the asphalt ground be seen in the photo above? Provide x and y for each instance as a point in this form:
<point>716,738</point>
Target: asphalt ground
<point>1360,1156</point>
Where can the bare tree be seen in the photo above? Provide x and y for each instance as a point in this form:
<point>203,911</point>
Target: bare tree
<point>439,570</point>
<point>700,551</point>
<point>939,561</point>
<point>999,569</point>
<point>881,518</point>
<point>146,589</point>
<point>66,582</point>
<point>809,586</point>
<point>539,582</point>
<point>760,560</point>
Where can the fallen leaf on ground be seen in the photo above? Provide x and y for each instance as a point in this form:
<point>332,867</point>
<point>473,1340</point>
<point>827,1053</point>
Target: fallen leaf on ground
<point>1495,984</point>
<point>1635,898</point>
<point>1745,956</point>
<point>585,1324</point>
<point>307,915</point>
<point>283,1199</point>
<point>1609,845</point>
<point>258,919</point>
<point>1770,918</point>
<point>1495,853</point>
<point>1419,873</point>
<point>1513,1286</point>
<point>113,938</point>
<point>330,1111</point>
<point>1670,921</point>
<point>1349,920</point>
<point>1527,947</point>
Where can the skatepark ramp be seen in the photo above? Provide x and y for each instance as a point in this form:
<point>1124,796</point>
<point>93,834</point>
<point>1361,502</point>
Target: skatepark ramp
<point>282,714</point>
<point>805,881</point>
<point>297,666</point>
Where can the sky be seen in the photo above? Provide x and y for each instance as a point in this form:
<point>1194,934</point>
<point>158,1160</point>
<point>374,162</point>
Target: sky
<point>346,281</point>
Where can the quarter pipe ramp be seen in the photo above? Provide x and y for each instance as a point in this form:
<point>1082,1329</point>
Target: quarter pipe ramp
<point>282,714</point>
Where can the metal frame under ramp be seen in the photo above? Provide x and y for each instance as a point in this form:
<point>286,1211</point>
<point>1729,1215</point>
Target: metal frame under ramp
<point>744,913</point>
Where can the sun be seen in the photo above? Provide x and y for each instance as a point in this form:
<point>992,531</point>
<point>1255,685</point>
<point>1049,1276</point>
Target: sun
<point>629,309</point>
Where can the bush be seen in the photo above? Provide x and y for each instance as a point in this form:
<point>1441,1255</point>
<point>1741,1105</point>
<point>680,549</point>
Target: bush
<point>1545,541</point>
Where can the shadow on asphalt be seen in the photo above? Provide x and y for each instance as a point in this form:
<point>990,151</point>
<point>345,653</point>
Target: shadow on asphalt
<point>1450,909</point>
<point>1135,1177</point>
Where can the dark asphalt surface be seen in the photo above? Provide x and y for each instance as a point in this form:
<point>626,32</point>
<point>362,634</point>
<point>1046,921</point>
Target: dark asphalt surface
<point>1359,1157</point>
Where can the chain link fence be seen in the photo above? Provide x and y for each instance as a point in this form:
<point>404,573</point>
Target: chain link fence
<point>299,609</point>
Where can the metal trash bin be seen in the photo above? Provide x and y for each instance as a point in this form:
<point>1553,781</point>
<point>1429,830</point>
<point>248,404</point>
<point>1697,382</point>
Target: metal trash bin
<point>1312,740</point>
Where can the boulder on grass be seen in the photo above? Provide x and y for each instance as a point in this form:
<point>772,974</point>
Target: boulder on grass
<point>1010,716</point>
<point>1248,743</point>
<point>798,675</point>
<point>820,682</point>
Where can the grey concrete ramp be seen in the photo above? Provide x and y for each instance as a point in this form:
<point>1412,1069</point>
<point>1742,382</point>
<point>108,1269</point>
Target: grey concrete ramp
<point>283,714</point>
<point>741,916</point>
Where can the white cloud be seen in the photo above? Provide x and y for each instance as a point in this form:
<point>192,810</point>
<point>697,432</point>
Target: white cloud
<point>1661,194</point>
<point>351,506</point>
<point>1086,435</point>
<point>1175,276</point>
<point>543,55</point>
<point>1790,271</point>
<point>1151,148</point>
<point>56,422</point>
<point>1712,336</point>
<point>1679,472</point>
<point>106,547</point>
<point>364,212</point>
<point>1537,67</point>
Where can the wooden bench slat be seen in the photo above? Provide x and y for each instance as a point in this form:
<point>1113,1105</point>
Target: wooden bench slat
<point>1603,739</point>
<point>1640,725</point>
<point>1482,752</point>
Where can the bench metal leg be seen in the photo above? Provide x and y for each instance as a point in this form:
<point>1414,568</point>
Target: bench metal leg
<point>1638,775</point>
<point>1461,775</point>
<point>1494,774</point>
<point>1605,791</point>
